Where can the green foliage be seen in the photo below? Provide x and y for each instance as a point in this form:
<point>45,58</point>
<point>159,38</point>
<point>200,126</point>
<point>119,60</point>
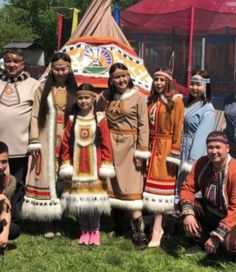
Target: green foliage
<point>14,29</point>
<point>30,19</point>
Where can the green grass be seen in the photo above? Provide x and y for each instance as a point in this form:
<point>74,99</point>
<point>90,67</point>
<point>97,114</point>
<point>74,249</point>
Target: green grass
<point>32,252</point>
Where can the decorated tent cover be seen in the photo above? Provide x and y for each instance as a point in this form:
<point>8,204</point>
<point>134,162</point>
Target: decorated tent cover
<point>97,43</point>
<point>92,57</point>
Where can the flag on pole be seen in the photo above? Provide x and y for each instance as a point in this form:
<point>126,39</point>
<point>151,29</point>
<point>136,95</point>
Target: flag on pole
<point>116,14</point>
<point>59,30</point>
<point>75,19</point>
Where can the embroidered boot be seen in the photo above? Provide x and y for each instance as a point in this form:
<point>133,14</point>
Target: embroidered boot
<point>95,238</point>
<point>84,238</point>
<point>138,235</point>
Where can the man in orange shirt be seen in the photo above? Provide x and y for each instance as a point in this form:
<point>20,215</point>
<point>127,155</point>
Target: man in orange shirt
<point>213,177</point>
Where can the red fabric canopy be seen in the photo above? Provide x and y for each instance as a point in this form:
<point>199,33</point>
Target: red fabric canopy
<point>166,17</point>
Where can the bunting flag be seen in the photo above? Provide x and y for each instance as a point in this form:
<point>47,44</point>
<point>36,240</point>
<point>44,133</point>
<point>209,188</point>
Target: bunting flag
<point>75,20</point>
<point>116,14</point>
<point>59,29</point>
<point>92,57</point>
<point>66,26</point>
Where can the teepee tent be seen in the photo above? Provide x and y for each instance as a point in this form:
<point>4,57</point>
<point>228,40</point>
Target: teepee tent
<point>97,43</point>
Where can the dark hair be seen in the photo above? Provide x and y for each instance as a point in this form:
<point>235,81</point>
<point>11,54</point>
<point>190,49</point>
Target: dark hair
<point>206,98</point>
<point>12,51</point>
<point>3,148</point>
<point>112,69</point>
<point>168,88</point>
<point>217,133</point>
<point>75,110</point>
<point>71,87</point>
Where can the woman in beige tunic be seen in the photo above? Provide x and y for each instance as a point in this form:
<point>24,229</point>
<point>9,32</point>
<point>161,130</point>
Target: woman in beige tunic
<point>50,112</point>
<point>127,117</point>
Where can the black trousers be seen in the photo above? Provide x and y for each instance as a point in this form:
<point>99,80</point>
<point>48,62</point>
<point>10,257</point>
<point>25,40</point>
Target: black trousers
<point>14,231</point>
<point>18,169</point>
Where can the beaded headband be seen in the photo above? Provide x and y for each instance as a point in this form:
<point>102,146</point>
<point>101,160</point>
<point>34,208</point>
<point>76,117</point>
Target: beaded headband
<point>217,139</point>
<point>196,79</point>
<point>85,92</point>
<point>61,62</point>
<point>13,56</point>
<point>119,72</point>
<point>164,74</point>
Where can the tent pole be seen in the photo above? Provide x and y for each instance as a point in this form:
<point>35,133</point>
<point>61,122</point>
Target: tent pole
<point>190,52</point>
<point>203,53</point>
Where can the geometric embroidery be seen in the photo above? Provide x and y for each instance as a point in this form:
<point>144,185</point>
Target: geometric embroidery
<point>10,96</point>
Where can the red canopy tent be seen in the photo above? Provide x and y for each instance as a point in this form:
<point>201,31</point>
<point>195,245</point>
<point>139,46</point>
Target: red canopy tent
<point>202,17</point>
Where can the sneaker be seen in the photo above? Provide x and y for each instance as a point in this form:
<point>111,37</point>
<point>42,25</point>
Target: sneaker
<point>95,238</point>
<point>84,238</point>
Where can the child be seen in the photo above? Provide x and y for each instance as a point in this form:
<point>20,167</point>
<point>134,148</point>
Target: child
<point>8,228</point>
<point>86,158</point>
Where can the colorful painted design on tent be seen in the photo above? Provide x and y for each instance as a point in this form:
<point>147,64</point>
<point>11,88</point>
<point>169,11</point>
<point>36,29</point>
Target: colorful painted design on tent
<point>92,58</point>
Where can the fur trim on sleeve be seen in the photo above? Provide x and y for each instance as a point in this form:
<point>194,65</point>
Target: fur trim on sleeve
<point>10,189</point>
<point>186,167</point>
<point>177,96</point>
<point>142,154</point>
<point>34,147</point>
<point>66,170</point>
<point>107,170</point>
<point>173,160</point>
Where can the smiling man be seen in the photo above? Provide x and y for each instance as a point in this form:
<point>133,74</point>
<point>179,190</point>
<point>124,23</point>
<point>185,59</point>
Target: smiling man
<point>17,91</point>
<point>212,216</point>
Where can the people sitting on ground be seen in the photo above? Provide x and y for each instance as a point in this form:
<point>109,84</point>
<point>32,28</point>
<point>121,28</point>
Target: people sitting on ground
<point>210,217</point>
<point>9,230</point>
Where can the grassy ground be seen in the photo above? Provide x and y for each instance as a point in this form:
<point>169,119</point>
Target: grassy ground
<point>32,252</point>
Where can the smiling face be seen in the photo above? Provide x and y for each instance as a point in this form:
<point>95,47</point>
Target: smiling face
<point>60,73</point>
<point>159,83</point>
<point>197,87</point>
<point>217,152</point>
<point>13,64</point>
<point>85,103</point>
<point>120,79</point>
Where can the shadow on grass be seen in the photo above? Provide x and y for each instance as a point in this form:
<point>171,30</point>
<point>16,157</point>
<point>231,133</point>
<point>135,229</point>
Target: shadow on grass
<point>217,261</point>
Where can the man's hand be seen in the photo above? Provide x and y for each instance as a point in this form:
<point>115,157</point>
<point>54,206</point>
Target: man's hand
<point>4,238</point>
<point>138,163</point>
<point>212,244</point>
<point>5,201</point>
<point>191,227</point>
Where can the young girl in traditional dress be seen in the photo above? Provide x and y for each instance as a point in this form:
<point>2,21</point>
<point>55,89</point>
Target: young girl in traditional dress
<point>166,111</point>
<point>86,159</point>
<point>51,109</point>
<point>126,112</point>
<point>199,121</point>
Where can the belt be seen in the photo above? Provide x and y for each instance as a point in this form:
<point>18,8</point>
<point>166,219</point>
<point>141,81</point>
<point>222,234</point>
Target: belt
<point>124,131</point>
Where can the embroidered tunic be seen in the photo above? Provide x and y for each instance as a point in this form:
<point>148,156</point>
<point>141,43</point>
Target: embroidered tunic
<point>218,192</point>
<point>16,101</point>
<point>128,123</point>
<point>41,201</point>
<point>199,121</point>
<point>165,139</point>
<point>91,161</point>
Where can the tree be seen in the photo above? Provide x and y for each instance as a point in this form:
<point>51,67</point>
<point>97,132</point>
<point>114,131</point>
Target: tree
<point>38,19</point>
<point>14,29</point>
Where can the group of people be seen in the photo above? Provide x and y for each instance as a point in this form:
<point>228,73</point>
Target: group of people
<point>73,150</point>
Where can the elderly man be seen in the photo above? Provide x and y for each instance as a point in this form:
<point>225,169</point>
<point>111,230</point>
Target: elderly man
<point>214,213</point>
<point>17,91</point>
